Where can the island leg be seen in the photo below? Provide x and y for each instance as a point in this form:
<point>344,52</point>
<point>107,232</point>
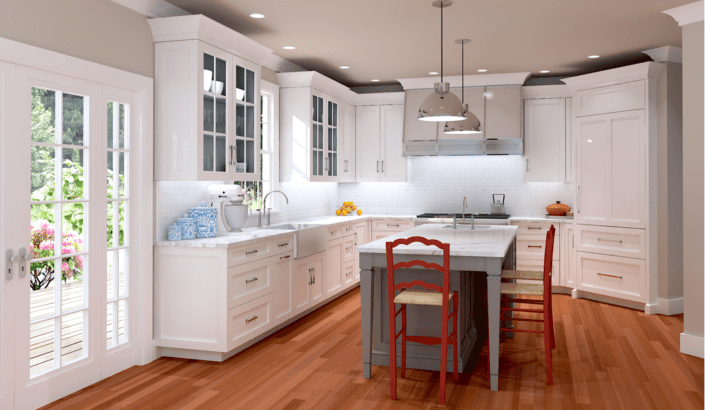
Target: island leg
<point>494,269</point>
<point>366,300</point>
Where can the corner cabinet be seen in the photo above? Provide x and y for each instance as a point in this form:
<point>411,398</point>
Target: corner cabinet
<point>547,143</point>
<point>207,111</point>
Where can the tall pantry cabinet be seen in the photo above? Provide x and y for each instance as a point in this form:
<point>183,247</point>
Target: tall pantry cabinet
<point>614,128</point>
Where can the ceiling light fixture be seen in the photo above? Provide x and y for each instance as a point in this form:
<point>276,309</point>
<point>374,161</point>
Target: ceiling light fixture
<point>482,70</point>
<point>375,80</point>
<point>288,47</point>
<point>544,71</point>
<point>471,124</point>
<point>344,67</point>
<point>257,15</point>
<point>594,56</point>
<point>441,105</point>
<point>433,73</point>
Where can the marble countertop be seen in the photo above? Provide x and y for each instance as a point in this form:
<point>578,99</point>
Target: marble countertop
<point>541,218</point>
<point>488,242</point>
<point>254,235</point>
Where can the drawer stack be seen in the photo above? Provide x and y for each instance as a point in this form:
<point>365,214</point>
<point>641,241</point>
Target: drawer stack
<point>381,228</point>
<point>611,261</point>
<point>531,244</point>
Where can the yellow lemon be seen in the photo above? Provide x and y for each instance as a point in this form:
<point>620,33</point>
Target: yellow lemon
<point>337,212</point>
<point>359,211</point>
<point>345,213</point>
<point>354,207</point>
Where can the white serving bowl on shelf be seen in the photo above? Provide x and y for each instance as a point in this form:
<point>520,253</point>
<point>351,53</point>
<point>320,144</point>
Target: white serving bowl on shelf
<point>207,79</point>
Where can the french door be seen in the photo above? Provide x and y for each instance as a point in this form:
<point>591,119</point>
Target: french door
<point>66,216</point>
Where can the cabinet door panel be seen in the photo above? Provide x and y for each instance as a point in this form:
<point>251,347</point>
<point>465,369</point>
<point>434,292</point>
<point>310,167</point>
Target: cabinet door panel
<point>334,266</point>
<point>503,112</point>
<point>594,173</point>
<point>367,143</point>
<point>282,290</point>
<point>545,140</point>
<point>249,281</point>
<point>628,185</point>
<point>300,285</point>
<point>318,287</point>
<point>415,130</point>
<point>393,166</point>
<point>361,237</point>
<point>348,165</point>
<point>246,145</point>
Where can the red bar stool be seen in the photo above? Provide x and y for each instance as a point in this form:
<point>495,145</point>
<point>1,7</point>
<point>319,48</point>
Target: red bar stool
<point>530,289</point>
<point>432,295</point>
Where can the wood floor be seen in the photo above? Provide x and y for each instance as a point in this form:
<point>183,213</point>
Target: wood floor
<point>607,357</point>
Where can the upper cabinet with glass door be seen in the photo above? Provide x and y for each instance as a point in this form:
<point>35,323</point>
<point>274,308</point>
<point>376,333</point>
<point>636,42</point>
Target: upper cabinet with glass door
<point>206,100</point>
<point>311,139</point>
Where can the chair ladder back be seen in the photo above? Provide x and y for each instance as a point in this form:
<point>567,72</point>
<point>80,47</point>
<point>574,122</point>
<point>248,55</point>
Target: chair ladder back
<point>548,259</point>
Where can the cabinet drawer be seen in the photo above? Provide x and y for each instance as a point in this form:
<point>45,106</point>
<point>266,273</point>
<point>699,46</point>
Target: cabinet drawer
<point>534,228</point>
<point>534,247</point>
<point>248,321</point>
<point>613,98</point>
<point>393,225</point>
<point>249,253</point>
<point>612,241</point>
<point>249,281</point>
<point>348,229</point>
<point>348,249</point>
<point>335,232</point>
<point>612,276</point>
<point>283,245</point>
<point>348,272</point>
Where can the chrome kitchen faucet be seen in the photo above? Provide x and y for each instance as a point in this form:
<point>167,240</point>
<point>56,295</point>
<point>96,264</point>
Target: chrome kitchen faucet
<point>266,214</point>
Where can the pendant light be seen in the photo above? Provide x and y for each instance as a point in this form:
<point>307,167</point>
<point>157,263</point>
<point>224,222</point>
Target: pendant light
<point>441,105</point>
<point>471,124</point>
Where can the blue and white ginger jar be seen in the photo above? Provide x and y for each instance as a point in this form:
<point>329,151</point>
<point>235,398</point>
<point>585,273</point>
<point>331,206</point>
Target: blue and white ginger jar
<point>206,217</point>
<point>188,227</point>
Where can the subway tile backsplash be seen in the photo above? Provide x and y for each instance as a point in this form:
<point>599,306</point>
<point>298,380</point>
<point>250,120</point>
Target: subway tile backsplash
<point>436,184</point>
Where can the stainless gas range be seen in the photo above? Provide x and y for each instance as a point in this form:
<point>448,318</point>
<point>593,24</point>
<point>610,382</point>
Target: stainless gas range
<point>480,219</point>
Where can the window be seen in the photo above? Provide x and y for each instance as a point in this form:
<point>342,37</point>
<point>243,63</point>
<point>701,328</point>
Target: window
<point>269,149</point>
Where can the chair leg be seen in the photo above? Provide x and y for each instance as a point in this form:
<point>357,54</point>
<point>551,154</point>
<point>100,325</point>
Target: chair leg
<point>455,340</point>
<point>550,316</point>
<point>392,356</point>
<point>403,341</point>
<point>444,363</point>
<point>547,347</point>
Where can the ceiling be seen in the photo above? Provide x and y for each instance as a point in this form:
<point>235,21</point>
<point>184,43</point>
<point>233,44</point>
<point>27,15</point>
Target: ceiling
<point>391,39</point>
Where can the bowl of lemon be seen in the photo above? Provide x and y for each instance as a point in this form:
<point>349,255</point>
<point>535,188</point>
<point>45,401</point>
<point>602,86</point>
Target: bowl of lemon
<point>348,209</point>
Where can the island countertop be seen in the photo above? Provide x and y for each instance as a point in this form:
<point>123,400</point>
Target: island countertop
<point>483,241</point>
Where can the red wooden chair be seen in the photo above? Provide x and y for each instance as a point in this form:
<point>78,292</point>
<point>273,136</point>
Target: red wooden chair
<point>433,295</point>
<point>530,289</point>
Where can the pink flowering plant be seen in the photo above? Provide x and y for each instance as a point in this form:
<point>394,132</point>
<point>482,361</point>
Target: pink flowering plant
<point>43,245</point>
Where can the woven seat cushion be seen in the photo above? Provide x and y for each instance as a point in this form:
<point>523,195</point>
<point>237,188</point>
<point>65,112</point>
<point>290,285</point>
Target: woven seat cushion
<point>522,274</point>
<point>421,297</point>
<point>521,289</point>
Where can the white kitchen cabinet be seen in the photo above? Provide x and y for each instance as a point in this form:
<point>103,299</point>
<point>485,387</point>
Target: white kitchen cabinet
<point>361,237</point>
<point>300,285</point>
<point>202,135</point>
<point>379,143</point>
<point>531,242</point>
<point>318,278</point>
<point>611,169</point>
<point>334,266</point>
<point>613,276</point>
<point>547,143</point>
<point>503,112</point>
<point>347,170</point>
<point>568,257</point>
<point>281,287</point>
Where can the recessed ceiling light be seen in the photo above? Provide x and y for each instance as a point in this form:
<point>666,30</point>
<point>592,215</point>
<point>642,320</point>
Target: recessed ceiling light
<point>375,80</point>
<point>257,15</point>
<point>595,56</point>
<point>344,67</point>
<point>288,47</point>
<point>433,73</point>
<point>482,70</point>
<point>544,71</point>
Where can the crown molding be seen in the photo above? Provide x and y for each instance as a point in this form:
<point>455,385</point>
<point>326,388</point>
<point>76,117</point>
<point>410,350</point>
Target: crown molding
<point>152,8</point>
<point>690,13</point>
<point>545,91</point>
<point>318,81</point>
<point>666,54</point>
<point>380,99</point>
<point>641,71</point>
<point>470,80</point>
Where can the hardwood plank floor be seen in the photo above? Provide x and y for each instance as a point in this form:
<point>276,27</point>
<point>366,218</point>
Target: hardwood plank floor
<point>607,357</point>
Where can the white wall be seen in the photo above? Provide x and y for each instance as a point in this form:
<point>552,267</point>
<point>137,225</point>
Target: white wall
<point>438,184</point>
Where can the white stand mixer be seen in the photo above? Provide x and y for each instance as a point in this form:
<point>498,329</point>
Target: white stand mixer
<point>232,213</point>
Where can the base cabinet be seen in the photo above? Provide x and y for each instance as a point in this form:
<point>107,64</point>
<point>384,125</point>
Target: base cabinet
<point>281,285</point>
<point>334,266</point>
<point>249,320</point>
<point>361,236</point>
<point>615,276</point>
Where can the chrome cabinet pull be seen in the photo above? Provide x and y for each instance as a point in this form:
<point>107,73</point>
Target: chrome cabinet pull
<point>611,276</point>
<point>382,166</point>
<point>355,238</point>
<point>251,319</point>
<point>377,166</point>
<point>532,227</point>
<point>397,225</point>
<point>609,240</point>
<point>284,257</point>
<point>309,276</point>
<point>281,245</point>
<point>535,246</point>
<point>231,155</point>
<point>314,275</point>
<point>527,165</point>
<point>346,165</point>
<point>251,252</point>
<point>251,280</point>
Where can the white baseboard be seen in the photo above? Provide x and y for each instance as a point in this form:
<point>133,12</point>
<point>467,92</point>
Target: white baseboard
<point>692,345</point>
<point>670,307</point>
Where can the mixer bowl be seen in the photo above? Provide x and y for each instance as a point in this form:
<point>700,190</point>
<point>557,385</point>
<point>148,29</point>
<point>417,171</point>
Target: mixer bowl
<point>235,216</point>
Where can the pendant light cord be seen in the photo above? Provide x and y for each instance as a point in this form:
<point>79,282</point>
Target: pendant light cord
<point>462,73</point>
<point>441,41</point>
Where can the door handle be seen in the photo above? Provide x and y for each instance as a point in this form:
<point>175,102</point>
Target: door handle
<point>21,259</point>
<point>231,155</point>
<point>346,165</point>
<point>356,238</point>
<point>382,166</point>
<point>8,264</point>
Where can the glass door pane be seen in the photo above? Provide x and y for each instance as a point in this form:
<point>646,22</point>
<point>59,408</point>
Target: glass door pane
<point>319,165</point>
<point>332,147</point>
<point>215,114</point>
<point>246,122</point>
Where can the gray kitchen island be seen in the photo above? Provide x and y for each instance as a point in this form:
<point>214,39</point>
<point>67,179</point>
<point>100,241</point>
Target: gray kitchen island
<point>473,252</point>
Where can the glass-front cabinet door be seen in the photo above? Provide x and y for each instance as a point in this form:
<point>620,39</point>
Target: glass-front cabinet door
<point>319,159</point>
<point>215,154</point>
<point>334,148</point>
<point>246,147</point>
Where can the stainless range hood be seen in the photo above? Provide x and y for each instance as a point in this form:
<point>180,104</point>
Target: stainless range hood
<point>509,146</point>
